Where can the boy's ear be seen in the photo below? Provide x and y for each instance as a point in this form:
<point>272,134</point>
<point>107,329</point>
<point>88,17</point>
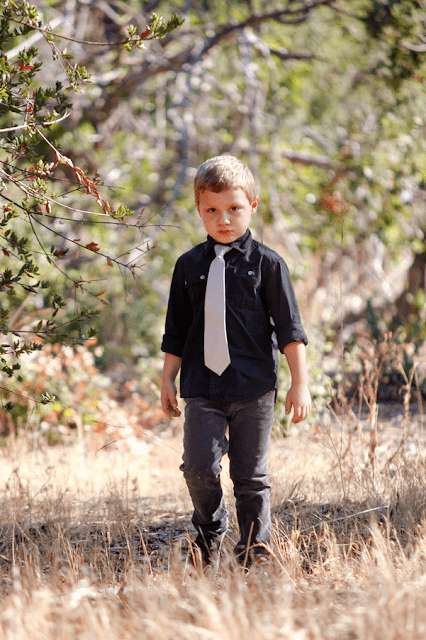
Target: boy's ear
<point>254,205</point>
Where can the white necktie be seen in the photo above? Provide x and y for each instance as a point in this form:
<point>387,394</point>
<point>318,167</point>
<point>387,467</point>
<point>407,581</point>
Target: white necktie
<point>216,353</point>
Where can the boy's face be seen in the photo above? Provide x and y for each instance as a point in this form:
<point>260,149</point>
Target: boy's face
<point>227,214</point>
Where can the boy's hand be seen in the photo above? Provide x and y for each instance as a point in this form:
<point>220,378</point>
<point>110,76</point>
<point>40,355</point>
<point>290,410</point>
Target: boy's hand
<point>298,398</point>
<point>169,400</point>
<point>168,388</point>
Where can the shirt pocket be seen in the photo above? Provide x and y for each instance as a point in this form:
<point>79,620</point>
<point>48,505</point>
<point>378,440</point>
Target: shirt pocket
<point>195,283</point>
<point>245,292</point>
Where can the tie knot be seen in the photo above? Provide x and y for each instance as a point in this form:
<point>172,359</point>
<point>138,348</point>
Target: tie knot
<point>221,249</point>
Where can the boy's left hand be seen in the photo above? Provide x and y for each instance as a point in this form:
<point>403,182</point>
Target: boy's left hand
<point>298,398</point>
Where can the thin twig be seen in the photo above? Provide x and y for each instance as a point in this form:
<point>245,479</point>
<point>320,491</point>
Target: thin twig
<point>352,515</point>
<point>34,124</point>
<point>21,396</point>
<point>147,435</point>
<point>45,31</point>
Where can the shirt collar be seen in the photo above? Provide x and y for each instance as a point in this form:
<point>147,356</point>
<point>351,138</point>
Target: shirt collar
<point>242,244</point>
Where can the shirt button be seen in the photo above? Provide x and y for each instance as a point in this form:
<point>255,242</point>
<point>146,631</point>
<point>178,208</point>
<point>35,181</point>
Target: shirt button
<point>250,273</point>
<point>202,277</point>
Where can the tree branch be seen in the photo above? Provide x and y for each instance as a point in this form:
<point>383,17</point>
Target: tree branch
<point>305,158</point>
<point>283,54</point>
<point>155,64</point>
<point>30,125</point>
<point>29,42</point>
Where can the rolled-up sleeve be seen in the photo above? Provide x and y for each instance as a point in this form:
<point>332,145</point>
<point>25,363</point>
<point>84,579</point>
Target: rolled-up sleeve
<point>179,313</point>
<point>282,304</point>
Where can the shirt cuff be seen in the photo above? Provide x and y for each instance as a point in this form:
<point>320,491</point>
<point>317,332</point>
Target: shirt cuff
<point>291,334</point>
<point>172,345</point>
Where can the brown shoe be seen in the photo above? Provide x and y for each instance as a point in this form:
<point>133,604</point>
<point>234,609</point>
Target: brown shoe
<point>209,546</point>
<point>256,555</point>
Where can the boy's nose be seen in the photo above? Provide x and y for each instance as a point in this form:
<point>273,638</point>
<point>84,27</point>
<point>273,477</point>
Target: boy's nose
<point>224,218</point>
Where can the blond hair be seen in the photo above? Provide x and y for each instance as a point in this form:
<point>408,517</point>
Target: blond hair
<point>224,172</point>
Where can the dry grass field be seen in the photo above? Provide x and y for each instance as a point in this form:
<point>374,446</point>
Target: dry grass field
<point>93,540</point>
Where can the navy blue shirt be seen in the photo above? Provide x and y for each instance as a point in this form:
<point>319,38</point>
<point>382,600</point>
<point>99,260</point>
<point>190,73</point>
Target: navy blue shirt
<point>261,316</point>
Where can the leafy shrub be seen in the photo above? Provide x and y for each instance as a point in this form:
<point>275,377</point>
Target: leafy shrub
<point>82,398</point>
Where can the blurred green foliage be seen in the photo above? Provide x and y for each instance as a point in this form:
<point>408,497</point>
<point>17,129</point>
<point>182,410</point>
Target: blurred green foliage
<point>326,104</point>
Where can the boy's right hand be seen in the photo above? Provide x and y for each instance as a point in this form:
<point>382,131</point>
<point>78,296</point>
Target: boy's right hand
<point>169,400</point>
<point>168,388</point>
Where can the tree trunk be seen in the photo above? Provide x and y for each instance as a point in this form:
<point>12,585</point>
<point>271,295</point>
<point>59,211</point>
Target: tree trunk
<point>406,306</point>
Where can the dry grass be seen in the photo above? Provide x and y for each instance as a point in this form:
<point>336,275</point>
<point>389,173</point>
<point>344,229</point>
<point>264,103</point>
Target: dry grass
<point>92,542</point>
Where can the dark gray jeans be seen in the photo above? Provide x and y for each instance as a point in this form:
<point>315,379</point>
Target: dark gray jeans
<point>247,446</point>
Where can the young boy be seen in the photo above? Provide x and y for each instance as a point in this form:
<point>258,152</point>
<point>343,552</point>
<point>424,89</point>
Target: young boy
<point>235,386</point>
